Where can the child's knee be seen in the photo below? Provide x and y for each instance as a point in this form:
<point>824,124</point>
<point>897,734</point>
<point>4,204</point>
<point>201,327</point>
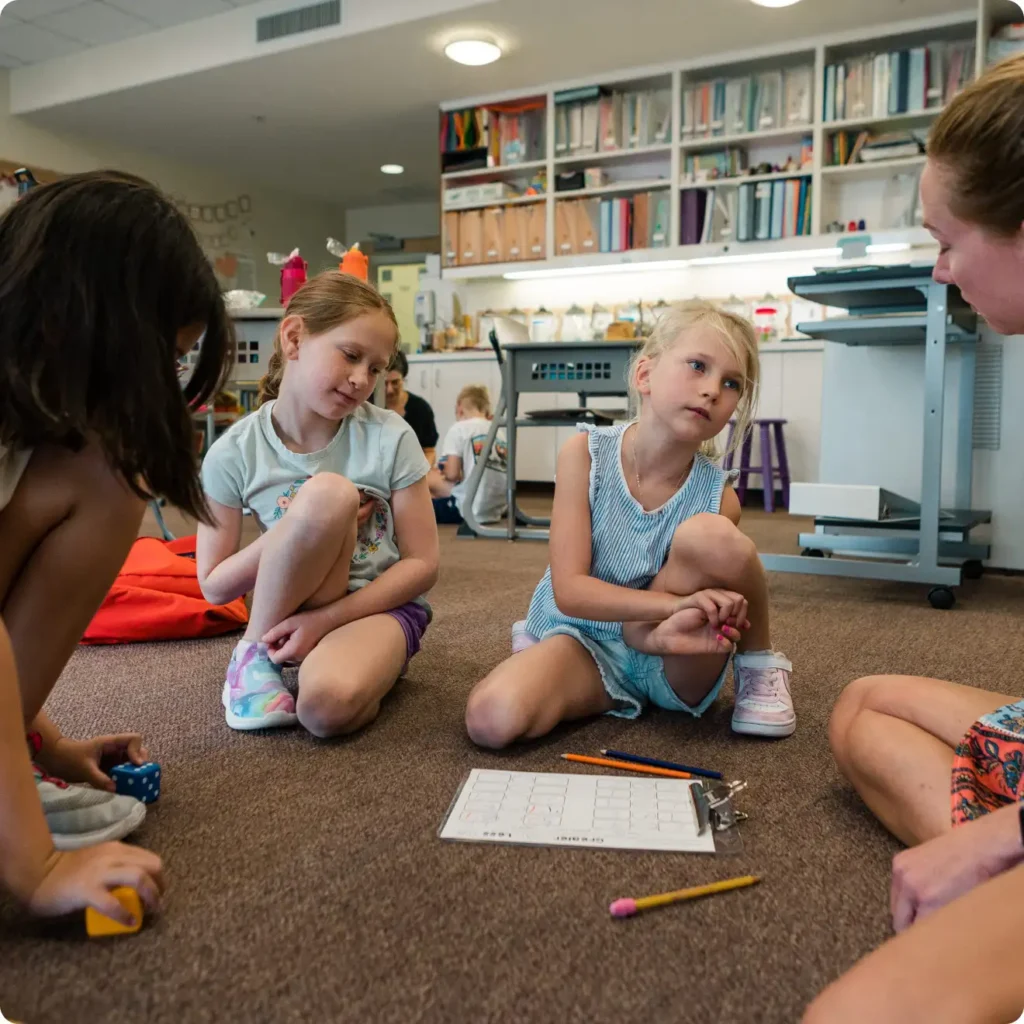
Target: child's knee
<point>327,500</point>
<point>493,717</point>
<point>326,710</point>
<point>714,543</point>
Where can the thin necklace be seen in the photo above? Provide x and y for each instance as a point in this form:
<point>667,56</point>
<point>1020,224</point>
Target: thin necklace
<point>636,472</point>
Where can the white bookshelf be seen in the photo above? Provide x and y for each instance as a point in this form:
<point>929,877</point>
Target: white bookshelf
<point>510,201</point>
<point>745,179</point>
<point>789,133</point>
<point>521,170</point>
<point>613,156</point>
<point>617,188</point>
<point>659,167</point>
<point>874,169</point>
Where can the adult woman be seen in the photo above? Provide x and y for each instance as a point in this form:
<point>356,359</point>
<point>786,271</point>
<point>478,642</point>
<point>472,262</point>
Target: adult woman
<point>414,410</point>
<point>900,740</point>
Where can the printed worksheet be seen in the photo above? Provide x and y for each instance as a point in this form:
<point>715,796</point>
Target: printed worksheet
<point>603,811</point>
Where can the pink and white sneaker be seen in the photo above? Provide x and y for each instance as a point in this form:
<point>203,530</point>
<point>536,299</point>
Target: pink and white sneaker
<point>522,637</point>
<point>764,705</point>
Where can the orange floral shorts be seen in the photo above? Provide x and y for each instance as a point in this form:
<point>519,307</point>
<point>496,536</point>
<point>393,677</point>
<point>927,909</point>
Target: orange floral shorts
<point>988,764</point>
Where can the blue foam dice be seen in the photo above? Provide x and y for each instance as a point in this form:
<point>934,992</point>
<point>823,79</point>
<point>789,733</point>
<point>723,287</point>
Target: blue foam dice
<point>141,781</point>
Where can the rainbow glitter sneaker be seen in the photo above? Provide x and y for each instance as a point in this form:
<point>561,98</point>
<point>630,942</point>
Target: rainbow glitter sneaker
<point>254,693</point>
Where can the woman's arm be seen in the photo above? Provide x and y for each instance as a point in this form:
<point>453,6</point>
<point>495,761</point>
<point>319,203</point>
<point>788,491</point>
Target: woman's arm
<point>225,572</point>
<point>411,576</point>
<point>958,966</point>
<point>577,593</point>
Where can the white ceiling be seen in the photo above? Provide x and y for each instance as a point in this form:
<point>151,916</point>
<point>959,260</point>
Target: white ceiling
<point>36,30</point>
<point>321,119</point>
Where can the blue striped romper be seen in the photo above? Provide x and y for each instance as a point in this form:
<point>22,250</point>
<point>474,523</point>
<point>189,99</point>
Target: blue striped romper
<point>629,547</point>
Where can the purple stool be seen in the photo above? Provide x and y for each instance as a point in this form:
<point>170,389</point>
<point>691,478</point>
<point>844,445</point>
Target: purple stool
<point>769,469</point>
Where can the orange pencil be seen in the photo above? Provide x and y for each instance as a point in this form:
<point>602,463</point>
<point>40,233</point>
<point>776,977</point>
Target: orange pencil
<point>627,766</point>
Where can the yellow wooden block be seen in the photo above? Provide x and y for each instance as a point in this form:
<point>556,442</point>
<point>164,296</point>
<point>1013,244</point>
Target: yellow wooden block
<point>98,925</point>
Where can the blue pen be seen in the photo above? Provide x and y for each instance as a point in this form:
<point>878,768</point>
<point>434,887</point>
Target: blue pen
<point>637,759</point>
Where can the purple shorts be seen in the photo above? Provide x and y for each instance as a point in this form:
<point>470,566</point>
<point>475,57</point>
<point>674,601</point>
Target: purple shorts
<point>414,619</point>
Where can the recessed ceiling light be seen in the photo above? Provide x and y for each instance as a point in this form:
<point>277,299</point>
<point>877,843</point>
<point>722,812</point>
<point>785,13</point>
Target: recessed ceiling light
<point>775,3</point>
<point>3,4</point>
<point>392,168</point>
<point>473,52</point>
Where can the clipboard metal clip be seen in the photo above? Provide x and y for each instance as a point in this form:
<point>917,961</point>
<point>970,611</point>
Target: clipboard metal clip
<point>713,802</point>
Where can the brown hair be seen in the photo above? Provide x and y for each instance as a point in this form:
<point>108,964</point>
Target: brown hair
<point>324,302</point>
<point>979,139</point>
<point>98,274</point>
<point>739,337</point>
<point>477,396</point>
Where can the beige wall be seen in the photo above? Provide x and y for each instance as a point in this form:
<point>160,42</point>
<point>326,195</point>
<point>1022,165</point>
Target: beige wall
<point>278,221</point>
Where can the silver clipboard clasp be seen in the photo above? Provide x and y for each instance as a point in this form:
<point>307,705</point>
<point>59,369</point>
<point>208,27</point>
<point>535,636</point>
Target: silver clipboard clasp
<point>712,801</point>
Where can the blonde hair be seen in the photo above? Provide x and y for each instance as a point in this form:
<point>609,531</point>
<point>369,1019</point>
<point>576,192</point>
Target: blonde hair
<point>477,396</point>
<point>979,139</point>
<point>738,335</point>
<point>324,302</point>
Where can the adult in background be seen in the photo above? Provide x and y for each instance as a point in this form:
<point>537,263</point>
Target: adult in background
<point>414,410</point>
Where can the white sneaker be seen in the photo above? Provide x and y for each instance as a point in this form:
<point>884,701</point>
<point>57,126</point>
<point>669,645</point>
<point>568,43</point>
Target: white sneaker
<point>80,816</point>
<point>522,637</point>
<point>764,705</point>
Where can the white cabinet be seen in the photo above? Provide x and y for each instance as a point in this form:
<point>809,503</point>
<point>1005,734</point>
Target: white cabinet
<point>438,378</point>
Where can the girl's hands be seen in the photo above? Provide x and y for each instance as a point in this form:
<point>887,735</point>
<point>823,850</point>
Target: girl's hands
<point>85,760</point>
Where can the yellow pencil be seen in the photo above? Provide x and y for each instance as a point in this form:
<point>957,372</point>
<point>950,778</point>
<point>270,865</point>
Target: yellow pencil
<point>629,907</point>
<point>626,766</point>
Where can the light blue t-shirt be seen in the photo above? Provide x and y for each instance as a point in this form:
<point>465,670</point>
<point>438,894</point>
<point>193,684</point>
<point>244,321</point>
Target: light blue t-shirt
<point>250,467</point>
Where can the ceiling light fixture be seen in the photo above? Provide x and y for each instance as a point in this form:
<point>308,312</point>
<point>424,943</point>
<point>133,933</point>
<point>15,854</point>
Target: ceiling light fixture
<point>392,169</point>
<point>3,4</point>
<point>473,52</point>
<point>775,3</point>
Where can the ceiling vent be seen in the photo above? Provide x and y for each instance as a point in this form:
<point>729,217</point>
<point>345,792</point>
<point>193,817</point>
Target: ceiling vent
<point>310,18</point>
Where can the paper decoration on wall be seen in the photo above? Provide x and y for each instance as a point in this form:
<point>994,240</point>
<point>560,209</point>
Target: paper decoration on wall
<point>227,266</point>
<point>225,232</point>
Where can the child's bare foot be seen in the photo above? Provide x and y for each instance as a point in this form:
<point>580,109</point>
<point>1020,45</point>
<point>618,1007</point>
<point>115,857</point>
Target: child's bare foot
<point>686,632</point>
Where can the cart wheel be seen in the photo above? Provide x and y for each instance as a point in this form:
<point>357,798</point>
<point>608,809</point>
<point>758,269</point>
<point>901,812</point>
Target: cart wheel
<point>941,597</point>
<point>812,553</point>
<point>972,569</point>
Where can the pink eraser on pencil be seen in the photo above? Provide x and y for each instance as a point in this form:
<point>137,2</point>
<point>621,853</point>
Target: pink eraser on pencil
<point>623,908</point>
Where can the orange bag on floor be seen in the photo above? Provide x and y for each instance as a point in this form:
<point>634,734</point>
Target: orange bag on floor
<point>156,596</point>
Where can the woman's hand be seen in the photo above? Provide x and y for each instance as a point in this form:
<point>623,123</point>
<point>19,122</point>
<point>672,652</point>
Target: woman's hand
<point>88,760</point>
<point>293,639</point>
<point>927,877</point>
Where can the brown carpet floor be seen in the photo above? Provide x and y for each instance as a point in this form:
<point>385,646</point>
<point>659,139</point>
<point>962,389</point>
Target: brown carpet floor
<point>308,882</point>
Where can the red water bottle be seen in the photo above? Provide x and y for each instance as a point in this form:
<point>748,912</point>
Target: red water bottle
<point>293,276</point>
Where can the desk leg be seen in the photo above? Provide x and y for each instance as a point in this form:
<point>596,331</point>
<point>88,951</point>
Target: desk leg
<point>511,411</point>
<point>934,397</point>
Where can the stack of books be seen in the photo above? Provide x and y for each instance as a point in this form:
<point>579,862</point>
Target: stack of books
<point>586,226</point>
<point>757,211</point>
<point>596,120</point>
<point>754,103</point>
<point>497,136</point>
<point>900,82</point>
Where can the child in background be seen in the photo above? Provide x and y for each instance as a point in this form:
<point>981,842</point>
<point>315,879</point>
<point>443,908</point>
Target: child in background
<point>103,288</point>
<point>460,449</point>
<point>348,544</point>
<point>651,583</point>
